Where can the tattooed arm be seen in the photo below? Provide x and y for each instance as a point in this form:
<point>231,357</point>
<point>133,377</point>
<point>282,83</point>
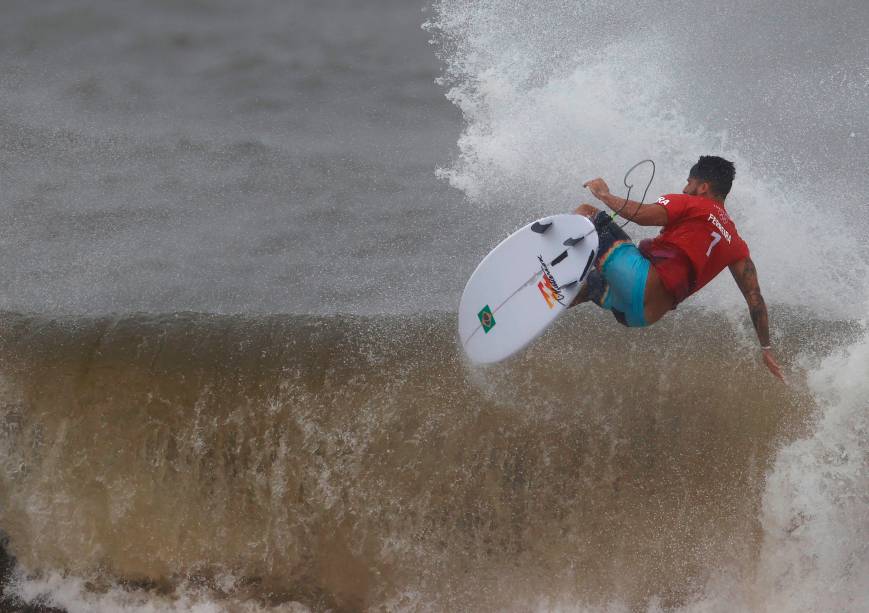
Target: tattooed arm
<point>745,275</point>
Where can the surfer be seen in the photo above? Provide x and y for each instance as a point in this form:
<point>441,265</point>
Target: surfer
<point>640,284</point>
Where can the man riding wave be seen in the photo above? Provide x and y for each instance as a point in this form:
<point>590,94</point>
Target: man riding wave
<point>640,284</point>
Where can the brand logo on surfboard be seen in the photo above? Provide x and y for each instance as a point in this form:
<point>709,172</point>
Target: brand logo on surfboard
<point>548,287</point>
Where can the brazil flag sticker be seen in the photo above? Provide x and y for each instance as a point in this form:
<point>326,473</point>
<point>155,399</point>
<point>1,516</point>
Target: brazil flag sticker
<point>486,318</point>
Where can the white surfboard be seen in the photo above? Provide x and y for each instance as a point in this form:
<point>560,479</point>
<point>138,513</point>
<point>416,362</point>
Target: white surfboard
<point>525,284</point>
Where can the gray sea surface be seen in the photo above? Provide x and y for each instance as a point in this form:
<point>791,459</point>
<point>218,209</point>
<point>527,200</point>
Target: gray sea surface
<point>224,157</point>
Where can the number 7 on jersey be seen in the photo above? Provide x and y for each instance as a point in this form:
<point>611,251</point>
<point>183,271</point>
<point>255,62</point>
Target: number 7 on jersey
<point>715,238</point>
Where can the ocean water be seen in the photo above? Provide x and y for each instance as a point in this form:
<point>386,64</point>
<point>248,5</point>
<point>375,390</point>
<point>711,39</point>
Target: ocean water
<point>236,233</point>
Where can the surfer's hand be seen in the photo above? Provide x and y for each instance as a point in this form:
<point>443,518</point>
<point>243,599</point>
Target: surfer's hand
<point>598,188</point>
<point>771,364</point>
<point>587,210</point>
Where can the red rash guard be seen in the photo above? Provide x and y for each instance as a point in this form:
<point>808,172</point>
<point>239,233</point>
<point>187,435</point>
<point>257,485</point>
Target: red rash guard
<point>698,241</point>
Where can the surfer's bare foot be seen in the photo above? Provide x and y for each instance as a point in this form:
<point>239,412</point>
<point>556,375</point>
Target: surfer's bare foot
<point>587,210</point>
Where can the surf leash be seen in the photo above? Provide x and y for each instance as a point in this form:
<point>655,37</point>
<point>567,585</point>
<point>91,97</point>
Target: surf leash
<point>630,186</point>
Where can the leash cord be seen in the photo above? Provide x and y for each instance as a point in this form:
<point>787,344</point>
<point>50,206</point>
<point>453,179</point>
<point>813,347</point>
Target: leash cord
<point>630,187</point>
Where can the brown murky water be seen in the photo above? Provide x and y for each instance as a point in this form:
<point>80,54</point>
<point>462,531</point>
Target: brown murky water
<point>352,462</point>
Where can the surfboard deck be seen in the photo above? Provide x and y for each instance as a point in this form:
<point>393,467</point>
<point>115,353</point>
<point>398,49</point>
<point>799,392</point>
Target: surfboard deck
<point>523,285</point>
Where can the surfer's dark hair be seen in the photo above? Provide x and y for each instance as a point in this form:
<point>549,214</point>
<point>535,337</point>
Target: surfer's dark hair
<point>716,171</point>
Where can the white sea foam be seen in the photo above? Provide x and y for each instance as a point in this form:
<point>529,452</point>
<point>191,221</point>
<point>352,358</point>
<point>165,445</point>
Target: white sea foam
<point>75,595</point>
<point>815,555</point>
<point>536,129</point>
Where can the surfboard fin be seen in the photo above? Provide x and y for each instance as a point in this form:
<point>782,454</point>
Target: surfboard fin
<point>587,264</point>
<point>559,258</point>
<point>570,242</point>
<point>541,226</point>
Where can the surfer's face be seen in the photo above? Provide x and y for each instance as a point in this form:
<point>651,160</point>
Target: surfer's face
<point>695,187</point>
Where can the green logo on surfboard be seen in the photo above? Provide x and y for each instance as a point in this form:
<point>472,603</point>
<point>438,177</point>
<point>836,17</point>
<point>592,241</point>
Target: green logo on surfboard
<point>486,318</point>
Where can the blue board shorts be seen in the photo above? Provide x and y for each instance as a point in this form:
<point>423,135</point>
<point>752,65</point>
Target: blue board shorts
<point>618,282</point>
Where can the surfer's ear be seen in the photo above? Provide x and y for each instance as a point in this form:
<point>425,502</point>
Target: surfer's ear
<point>704,188</point>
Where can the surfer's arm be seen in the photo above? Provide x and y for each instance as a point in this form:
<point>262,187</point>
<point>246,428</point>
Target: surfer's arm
<point>745,275</point>
<point>637,212</point>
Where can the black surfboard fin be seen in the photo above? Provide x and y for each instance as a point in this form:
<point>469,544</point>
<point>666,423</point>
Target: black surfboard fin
<point>559,258</point>
<point>587,264</point>
<point>540,228</point>
<point>570,242</point>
